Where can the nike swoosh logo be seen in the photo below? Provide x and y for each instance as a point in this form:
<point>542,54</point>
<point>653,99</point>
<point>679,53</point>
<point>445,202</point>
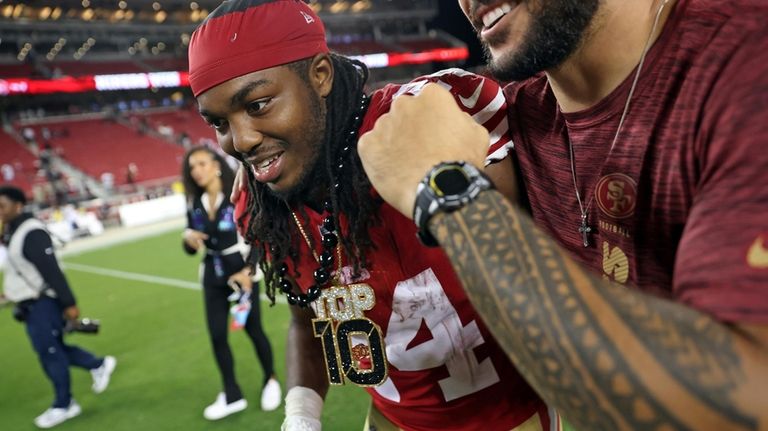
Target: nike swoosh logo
<point>472,100</point>
<point>757,256</point>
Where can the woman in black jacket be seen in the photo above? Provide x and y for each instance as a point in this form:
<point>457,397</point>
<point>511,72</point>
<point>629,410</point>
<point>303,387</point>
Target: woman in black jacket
<point>211,226</point>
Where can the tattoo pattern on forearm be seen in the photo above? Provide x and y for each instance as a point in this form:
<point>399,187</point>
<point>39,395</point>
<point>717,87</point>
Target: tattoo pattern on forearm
<point>546,320</point>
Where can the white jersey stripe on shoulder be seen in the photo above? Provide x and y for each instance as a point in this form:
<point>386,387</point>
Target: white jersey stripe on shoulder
<point>412,88</point>
<point>499,154</point>
<point>452,71</point>
<point>491,109</point>
<point>500,131</point>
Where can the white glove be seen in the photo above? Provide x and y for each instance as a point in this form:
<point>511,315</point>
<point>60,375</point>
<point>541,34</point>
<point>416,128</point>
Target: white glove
<point>303,407</point>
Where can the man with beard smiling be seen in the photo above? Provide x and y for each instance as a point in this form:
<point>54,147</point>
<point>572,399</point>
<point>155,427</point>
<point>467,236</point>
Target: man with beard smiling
<point>639,130</point>
<point>370,304</point>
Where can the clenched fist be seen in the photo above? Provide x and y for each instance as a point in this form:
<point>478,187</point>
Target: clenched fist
<point>418,133</point>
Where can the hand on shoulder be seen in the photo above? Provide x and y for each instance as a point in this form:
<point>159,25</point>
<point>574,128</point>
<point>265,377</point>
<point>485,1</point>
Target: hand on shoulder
<point>416,134</point>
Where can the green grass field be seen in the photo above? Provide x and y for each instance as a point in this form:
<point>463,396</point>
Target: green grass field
<point>166,373</point>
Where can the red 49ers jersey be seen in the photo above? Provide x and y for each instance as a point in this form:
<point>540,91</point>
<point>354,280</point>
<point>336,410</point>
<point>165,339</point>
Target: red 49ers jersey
<point>445,370</point>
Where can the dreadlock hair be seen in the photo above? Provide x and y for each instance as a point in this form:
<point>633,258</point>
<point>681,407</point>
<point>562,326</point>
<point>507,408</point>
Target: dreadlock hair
<point>269,218</point>
<point>191,189</point>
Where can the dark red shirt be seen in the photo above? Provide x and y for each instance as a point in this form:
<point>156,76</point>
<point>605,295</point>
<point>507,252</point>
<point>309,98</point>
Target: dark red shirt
<point>679,207</point>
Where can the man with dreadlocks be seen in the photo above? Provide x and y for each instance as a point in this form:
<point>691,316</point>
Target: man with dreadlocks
<point>387,313</point>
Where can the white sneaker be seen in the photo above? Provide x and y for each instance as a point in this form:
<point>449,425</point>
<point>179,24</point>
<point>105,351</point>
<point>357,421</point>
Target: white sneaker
<point>220,409</point>
<point>271,395</point>
<point>54,416</point>
<point>102,374</point>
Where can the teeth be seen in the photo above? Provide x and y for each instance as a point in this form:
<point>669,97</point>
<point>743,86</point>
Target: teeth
<point>265,163</point>
<point>494,15</point>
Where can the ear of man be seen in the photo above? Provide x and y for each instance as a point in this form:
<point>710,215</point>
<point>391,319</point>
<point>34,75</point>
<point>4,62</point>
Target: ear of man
<point>321,74</point>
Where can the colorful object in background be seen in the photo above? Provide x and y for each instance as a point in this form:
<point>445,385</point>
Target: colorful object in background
<point>240,311</point>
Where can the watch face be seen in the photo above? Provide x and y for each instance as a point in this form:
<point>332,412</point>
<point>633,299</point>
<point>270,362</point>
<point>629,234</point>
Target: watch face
<point>450,180</point>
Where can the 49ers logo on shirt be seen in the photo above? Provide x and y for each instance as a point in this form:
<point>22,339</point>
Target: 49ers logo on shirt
<point>616,195</point>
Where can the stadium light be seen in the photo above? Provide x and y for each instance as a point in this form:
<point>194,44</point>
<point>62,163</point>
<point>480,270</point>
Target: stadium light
<point>339,6</point>
<point>24,51</point>
<point>361,5</point>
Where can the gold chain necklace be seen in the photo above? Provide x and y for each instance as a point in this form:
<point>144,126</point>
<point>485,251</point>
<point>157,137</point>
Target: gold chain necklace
<point>337,278</point>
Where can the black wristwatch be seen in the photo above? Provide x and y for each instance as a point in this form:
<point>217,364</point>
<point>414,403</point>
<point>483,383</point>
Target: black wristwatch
<point>447,187</point>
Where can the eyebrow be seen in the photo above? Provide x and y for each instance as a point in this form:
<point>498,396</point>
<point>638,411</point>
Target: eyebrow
<point>241,95</point>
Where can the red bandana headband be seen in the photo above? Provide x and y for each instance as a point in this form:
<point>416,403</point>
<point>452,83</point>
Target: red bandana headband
<point>244,36</point>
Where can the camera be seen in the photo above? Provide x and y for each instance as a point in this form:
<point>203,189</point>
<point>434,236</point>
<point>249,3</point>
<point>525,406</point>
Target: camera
<point>20,313</point>
<point>84,325</point>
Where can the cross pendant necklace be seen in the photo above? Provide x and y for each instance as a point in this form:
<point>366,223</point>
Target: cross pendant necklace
<point>584,228</point>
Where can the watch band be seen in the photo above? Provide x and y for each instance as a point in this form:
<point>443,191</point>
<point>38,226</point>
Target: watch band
<point>430,199</point>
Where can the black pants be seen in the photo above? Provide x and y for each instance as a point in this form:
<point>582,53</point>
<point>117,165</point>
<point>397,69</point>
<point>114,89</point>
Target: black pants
<point>217,307</point>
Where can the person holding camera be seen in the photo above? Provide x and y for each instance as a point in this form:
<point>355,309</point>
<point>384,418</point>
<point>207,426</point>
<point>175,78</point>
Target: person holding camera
<point>211,226</point>
<point>43,300</point>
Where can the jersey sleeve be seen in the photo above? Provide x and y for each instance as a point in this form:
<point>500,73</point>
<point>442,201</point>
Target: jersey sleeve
<point>480,97</point>
<point>240,216</point>
<point>722,260</point>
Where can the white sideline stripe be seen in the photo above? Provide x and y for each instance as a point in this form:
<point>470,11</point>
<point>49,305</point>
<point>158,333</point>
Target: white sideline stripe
<point>121,235</point>
<point>151,279</point>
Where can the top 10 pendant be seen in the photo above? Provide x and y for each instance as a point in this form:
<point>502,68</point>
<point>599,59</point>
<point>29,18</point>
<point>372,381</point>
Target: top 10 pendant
<point>353,345</point>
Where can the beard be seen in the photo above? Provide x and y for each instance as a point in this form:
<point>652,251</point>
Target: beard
<point>557,29</point>
<point>313,171</point>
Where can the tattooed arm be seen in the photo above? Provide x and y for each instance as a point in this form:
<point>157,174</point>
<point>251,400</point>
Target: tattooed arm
<point>609,358</point>
<point>606,357</point>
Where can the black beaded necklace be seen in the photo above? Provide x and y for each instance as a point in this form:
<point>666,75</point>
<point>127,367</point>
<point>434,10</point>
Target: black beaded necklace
<point>330,238</point>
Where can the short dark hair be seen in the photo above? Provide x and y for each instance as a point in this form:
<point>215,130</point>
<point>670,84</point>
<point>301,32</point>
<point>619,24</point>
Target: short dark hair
<point>13,193</point>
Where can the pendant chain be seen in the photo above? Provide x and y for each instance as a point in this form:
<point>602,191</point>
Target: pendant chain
<point>314,253</point>
<point>584,228</point>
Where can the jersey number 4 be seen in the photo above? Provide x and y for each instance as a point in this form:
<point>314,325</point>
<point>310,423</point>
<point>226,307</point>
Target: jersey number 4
<point>423,299</point>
